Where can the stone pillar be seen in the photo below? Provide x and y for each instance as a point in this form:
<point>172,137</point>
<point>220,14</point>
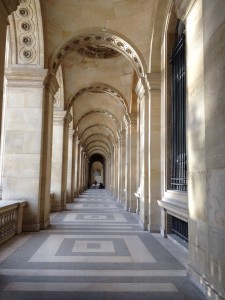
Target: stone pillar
<point>127,167</point>
<point>80,170</point>
<point>70,171</point>
<point>6,8</point>
<point>107,170</point>
<point>154,80</point>
<point>132,200</point>
<point>46,163</point>
<point>23,138</point>
<point>68,118</point>
<point>118,170</point>
<point>142,91</point>
<point>122,166</point>
<point>57,160</point>
<point>76,166</point>
<point>112,172</point>
<point>115,187</point>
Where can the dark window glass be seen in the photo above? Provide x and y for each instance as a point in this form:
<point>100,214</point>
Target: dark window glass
<point>179,159</point>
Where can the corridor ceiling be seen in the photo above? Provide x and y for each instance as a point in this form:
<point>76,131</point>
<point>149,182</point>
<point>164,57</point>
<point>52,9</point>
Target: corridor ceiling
<point>103,46</point>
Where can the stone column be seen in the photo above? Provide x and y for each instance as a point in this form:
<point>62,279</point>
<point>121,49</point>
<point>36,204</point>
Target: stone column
<point>127,167</point>
<point>57,160</point>
<point>6,8</point>
<point>76,166</point>
<point>107,177</point>
<point>132,200</point>
<point>142,90</point>
<point>122,166</point>
<point>70,171</point>
<point>67,120</point>
<point>154,80</point>
<point>46,162</point>
<point>80,170</point>
<point>115,187</point>
<point>118,170</point>
<point>23,137</point>
<point>112,172</point>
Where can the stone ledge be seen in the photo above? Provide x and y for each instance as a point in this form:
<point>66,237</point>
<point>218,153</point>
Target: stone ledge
<point>175,208</point>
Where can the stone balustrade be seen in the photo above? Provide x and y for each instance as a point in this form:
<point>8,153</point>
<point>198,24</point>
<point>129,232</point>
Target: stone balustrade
<point>11,217</point>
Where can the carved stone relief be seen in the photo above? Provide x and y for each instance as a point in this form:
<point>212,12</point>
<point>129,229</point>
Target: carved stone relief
<point>26,29</point>
<point>99,45</point>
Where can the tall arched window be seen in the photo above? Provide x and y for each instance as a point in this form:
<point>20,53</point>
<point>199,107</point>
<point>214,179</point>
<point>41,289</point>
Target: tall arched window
<point>178,159</point>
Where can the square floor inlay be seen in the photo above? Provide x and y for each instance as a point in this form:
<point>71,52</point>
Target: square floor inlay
<point>49,250</point>
<point>86,217</point>
<point>90,246</point>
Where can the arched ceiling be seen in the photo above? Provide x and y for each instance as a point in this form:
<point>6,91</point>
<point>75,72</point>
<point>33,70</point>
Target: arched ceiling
<point>103,48</point>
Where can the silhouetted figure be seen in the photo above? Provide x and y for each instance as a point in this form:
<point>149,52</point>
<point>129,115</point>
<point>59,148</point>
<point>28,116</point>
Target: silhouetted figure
<point>101,186</point>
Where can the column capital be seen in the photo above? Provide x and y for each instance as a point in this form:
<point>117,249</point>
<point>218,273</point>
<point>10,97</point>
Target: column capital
<point>71,133</point>
<point>51,83</point>
<point>58,116</point>
<point>75,135</point>
<point>154,80</point>
<point>25,76</point>
<point>133,119</point>
<point>142,88</point>
<point>68,118</point>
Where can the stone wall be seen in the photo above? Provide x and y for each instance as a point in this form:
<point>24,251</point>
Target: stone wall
<point>206,115</point>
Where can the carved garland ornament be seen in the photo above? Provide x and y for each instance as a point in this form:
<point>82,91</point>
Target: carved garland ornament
<point>100,111</point>
<point>96,136</point>
<point>25,30</point>
<point>100,88</point>
<point>99,125</point>
<point>98,40</point>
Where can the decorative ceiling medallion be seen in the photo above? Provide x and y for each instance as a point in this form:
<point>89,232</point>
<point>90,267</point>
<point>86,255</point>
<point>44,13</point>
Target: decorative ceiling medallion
<point>97,51</point>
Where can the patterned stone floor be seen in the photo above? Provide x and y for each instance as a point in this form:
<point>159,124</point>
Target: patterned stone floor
<point>94,251</point>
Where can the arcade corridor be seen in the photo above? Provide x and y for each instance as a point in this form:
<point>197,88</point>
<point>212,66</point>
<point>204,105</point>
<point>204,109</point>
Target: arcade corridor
<point>94,250</point>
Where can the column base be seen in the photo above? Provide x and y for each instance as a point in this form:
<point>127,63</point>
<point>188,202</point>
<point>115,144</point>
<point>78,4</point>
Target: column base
<point>56,209</point>
<point>143,225</point>
<point>154,228</point>
<point>31,227</point>
<point>45,224</point>
<point>163,232</point>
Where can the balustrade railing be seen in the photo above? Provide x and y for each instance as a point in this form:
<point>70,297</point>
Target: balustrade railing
<point>11,217</point>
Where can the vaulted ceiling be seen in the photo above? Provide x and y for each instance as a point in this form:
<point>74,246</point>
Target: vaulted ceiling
<point>103,47</point>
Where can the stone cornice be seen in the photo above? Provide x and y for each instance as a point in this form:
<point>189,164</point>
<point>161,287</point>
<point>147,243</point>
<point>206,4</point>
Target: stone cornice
<point>25,76</point>
<point>71,133</point>
<point>68,118</point>
<point>142,88</point>
<point>183,8</point>
<point>133,118</point>
<point>154,80</point>
<point>52,83</point>
<point>58,117</point>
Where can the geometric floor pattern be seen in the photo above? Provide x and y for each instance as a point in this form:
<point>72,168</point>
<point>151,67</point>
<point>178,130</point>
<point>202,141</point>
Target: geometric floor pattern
<point>94,250</point>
